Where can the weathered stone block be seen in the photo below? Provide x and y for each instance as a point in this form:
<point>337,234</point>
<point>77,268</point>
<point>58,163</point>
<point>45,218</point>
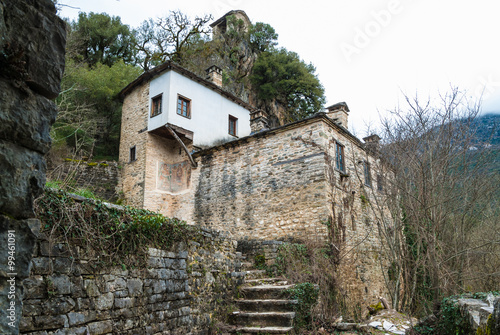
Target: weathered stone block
<point>91,287</point>
<point>55,249</point>
<point>41,265</point>
<point>59,305</point>
<point>134,287</point>
<point>153,252</point>
<point>101,327</point>
<point>26,324</point>
<point>159,286</point>
<point>61,283</point>
<point>121,294</point>
<point>50,322</point>
<point>155,262</point>
<point>124,302</point>
<point>75,319</point>
<point>104,301</point>
<point>63,265</point>
<point>35,288</point>
<point>83,303</point>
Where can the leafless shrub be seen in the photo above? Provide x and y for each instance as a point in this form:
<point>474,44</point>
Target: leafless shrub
<point>443,237</point>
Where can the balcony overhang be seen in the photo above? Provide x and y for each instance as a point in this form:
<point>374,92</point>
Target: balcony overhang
<point>181,132</point>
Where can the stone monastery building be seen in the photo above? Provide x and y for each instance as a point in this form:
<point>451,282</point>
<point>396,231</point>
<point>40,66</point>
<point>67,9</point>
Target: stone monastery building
<point>191,150</point>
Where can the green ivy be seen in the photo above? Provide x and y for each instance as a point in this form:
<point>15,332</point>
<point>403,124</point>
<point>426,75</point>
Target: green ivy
<point>288,251</point>
<point>450,320</point>
<point>307,296</point>
<point>117,236</point>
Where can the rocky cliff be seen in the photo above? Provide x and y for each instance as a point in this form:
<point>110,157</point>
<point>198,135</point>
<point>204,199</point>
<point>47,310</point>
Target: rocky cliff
<point>32,42</point>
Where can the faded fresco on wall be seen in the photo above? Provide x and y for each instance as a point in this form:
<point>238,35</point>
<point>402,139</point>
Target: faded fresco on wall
<point>173,177</point>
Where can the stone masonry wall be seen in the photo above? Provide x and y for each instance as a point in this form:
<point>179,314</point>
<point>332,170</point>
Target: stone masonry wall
<point>32,43</point>
<point>134,133</point>
<point>285,186</point>
<point>356,210</point>
<point>175,294</point>
<point>269,187</point>
<point>100,177</point>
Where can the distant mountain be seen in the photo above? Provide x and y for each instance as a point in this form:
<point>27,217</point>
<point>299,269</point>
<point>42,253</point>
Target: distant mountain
<point>488,130</point>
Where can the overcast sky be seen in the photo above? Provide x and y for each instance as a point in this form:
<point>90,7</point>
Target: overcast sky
<point>366,52</point>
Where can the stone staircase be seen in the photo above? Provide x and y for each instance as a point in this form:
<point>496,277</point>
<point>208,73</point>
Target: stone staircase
<point>263,307</point>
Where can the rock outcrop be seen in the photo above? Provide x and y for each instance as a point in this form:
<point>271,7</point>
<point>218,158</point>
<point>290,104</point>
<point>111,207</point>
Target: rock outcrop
<point>32,43</point>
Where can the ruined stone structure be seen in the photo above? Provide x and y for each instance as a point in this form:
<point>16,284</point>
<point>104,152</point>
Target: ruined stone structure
<point>101,178</point>
<point>32,42</point>
<point>220,26</point>
<point>311,179</point>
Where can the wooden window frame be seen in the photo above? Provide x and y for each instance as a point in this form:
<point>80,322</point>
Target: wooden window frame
<point>133,154</point>
<point>188,104</point>
<point>156,111</point>
<point>339,157</point>
<point>233,120</point>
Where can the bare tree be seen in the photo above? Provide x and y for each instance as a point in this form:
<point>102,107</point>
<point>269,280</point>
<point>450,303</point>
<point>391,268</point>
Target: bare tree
<point>168,38</point>
<point>442,198</point>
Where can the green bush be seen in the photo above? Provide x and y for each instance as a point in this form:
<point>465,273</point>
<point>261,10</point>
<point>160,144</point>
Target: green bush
<point>118,236</point>
<point>307,296</point>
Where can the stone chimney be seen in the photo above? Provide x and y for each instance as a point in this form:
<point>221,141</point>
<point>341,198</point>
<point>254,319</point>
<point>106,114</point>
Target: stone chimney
<point>214,74</point>
<point>339,113</point>
<point>258,121</point>
<point>372,142</point>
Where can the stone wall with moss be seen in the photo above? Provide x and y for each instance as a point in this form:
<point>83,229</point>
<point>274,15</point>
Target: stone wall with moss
<point>99,177</point>
<point>93,281</point>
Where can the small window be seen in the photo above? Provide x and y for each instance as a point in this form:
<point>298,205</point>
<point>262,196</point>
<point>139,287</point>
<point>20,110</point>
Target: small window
<point>380,183</point>
<point>233,123</point>
<point>368,175</point>
<point>339,157</point>
<point>132,154</point>
<point>156,105</point>
<point>184,106</point>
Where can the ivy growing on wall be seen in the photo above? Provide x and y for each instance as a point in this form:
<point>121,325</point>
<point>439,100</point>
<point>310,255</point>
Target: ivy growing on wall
<point>108,235</point>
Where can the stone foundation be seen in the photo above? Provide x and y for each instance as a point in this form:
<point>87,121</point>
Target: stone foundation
<point>176,293</point>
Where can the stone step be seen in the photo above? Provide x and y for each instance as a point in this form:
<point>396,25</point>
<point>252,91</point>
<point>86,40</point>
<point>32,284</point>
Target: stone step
<point>264,292</point>
<point>263,319</point>
<point>247,265</point>
<point>264,330</point>
<point>267,305</point>
<point>261,281</point>
<point>254,274</point>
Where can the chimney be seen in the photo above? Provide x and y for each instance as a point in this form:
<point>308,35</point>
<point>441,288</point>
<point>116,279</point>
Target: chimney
<point>258,121</point>
<point>372,143</point>
<point>214,74</point>
<point>339,113</point>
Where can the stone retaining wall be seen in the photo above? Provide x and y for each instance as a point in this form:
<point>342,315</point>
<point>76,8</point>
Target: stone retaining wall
<point>175,294</point>
<point>254,248</point>
<point>99,177</point>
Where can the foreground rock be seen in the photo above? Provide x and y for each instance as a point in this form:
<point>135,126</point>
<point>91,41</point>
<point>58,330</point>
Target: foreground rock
<point>31,67</point>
